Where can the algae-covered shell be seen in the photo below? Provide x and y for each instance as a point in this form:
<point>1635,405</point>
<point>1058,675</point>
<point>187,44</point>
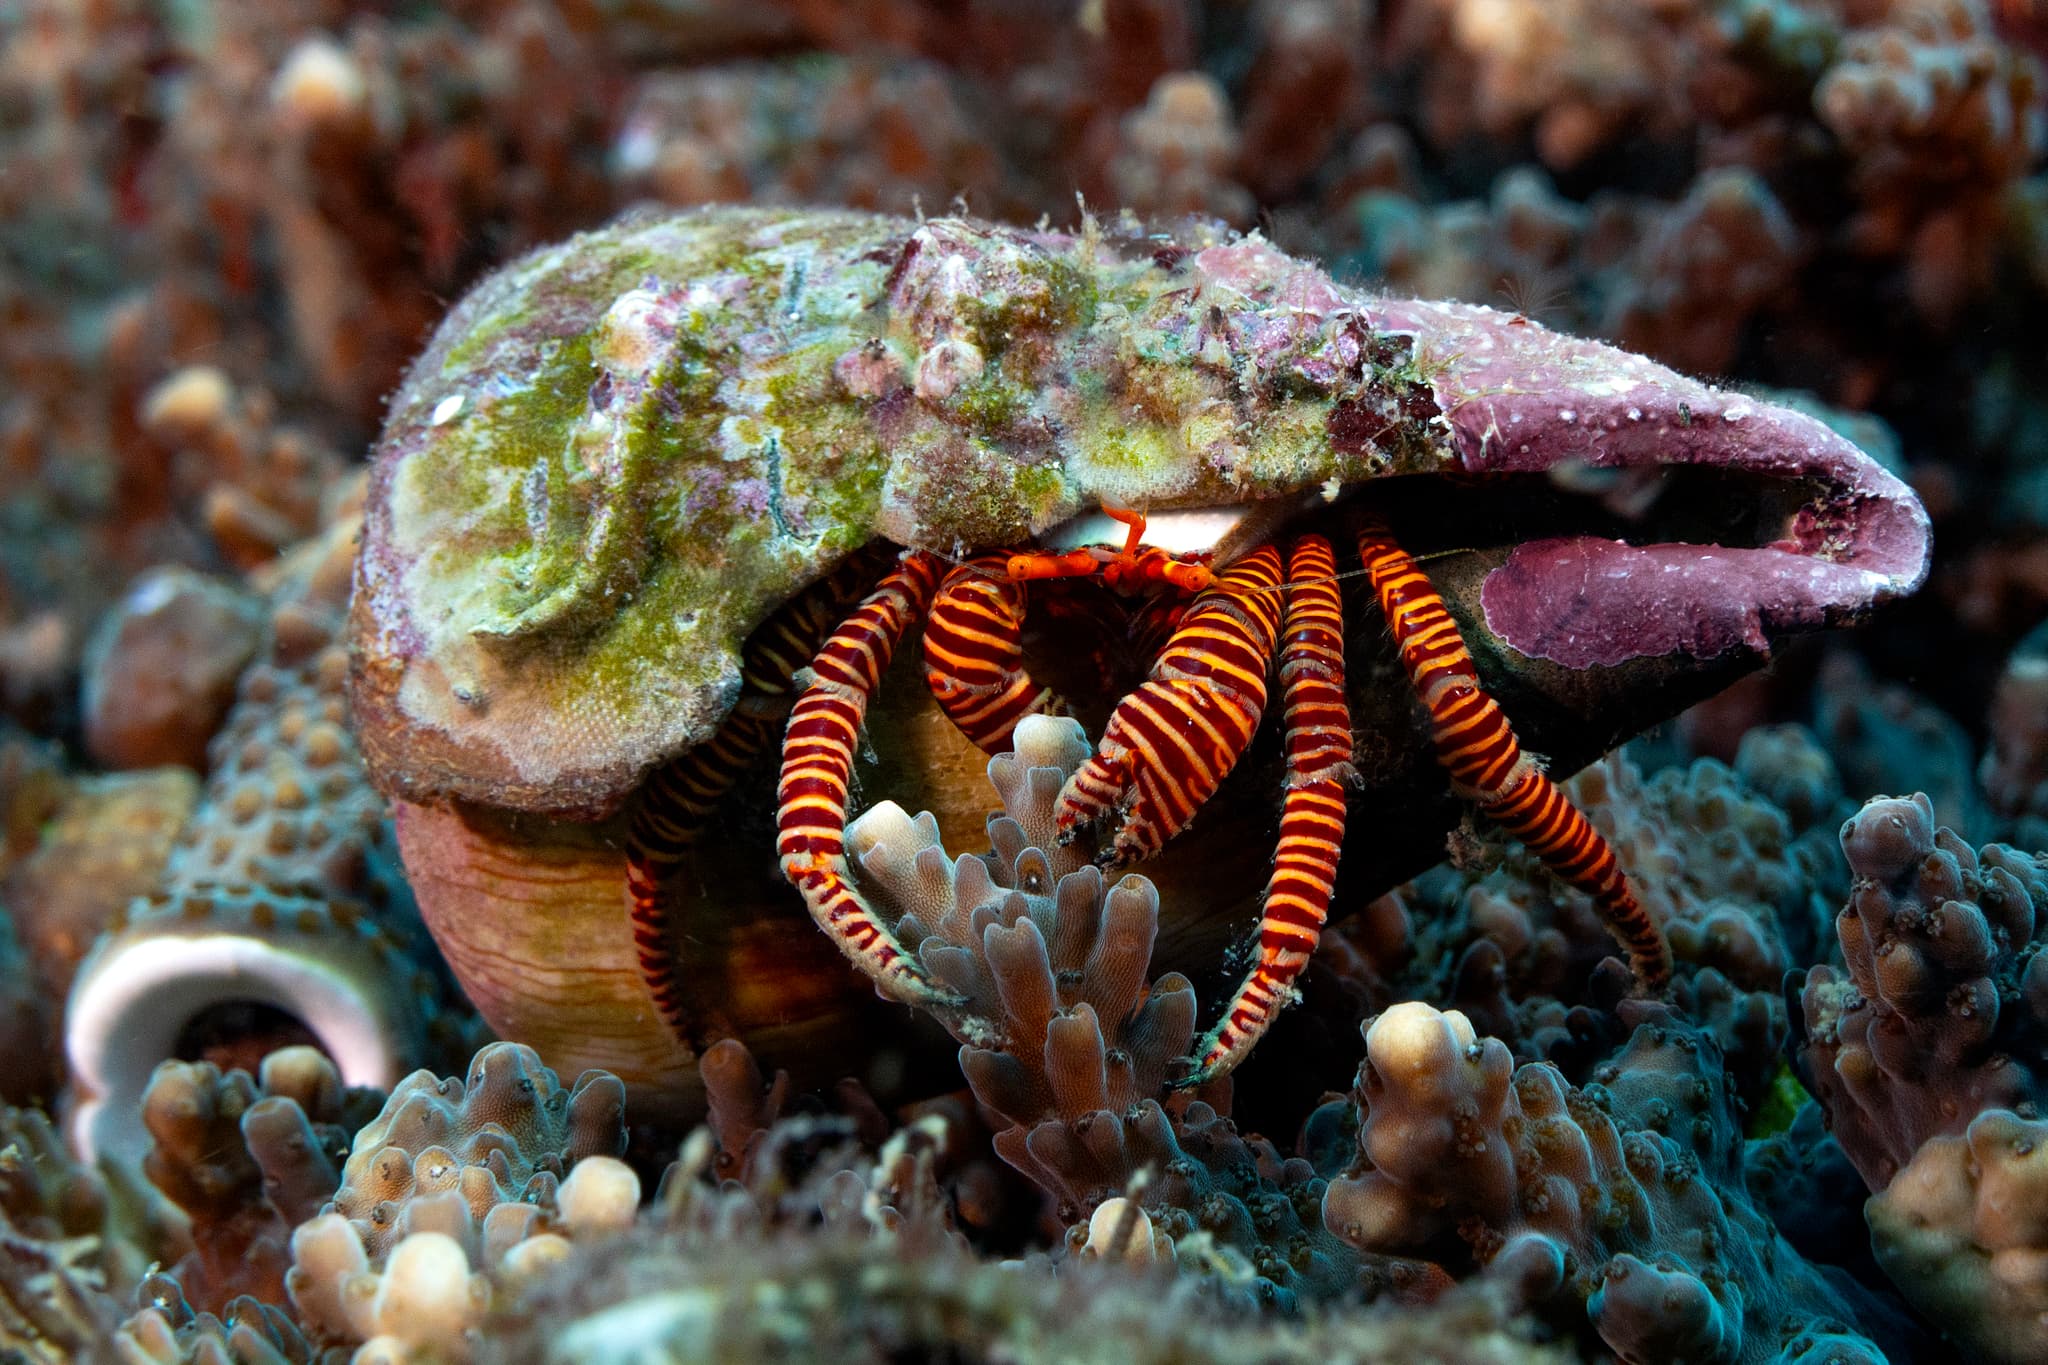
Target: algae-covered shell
<point>621,452</point>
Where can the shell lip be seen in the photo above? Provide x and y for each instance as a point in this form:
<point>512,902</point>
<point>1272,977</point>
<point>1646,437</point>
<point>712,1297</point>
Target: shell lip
<point>1518,398</point>
<point>132,996</point>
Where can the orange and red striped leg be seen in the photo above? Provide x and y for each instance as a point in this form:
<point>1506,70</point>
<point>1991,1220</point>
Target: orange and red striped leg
<point>817,774</point>
<point>974,654</point>
<point>1477,746</point>
<point>679,799</point>
<point>674,806</point>
<point>1297,897</point>
<point>1170,743</point>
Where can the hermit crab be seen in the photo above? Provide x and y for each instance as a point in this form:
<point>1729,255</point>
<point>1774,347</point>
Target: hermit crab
<point>666,496</point>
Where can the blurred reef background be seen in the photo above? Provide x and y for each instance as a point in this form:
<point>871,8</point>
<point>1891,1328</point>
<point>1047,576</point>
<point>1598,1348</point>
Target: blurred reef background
<point>226,227</point>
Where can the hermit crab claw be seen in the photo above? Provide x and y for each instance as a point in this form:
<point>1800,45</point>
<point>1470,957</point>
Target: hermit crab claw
<point>1830,533</point>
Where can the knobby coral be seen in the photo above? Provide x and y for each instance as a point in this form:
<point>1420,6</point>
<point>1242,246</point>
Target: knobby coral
<point>280,915</point>
<point>1938,1012</point>
<point>1621,1200</point>
<point>452,1181</point>
<point>1960,1231</point>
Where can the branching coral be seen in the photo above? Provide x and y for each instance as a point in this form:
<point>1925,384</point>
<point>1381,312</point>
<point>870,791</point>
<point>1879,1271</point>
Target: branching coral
<point>1681,281</point>
<point>1049,957</point>
<point>167,1330</point>
<point>1698,272</point>
<point>1305,90</point>
<point>1925,1053</point>
<point>1786,765</point>
<point>1579,71</point>
<point>742,1106</point>
<point>820,1253</point>
<point>1719,868</point>
<point>346,178</point>
<point>247,1160</point>
<point>1622,1198</point>
<point>1792,160</point>
<point>1937,114</point>
<point>878,134</point>
<point>73,1244</point>
<point>1177,154</point>
<point>33,786</point>
<point>1067,1041</point>
<point>256,488</point>
<point>1940,1011</point>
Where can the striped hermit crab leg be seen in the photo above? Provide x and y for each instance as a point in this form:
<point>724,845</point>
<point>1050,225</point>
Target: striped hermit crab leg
<point>674,807</point>
<point>1171,742</point>
<point>817,770</point>
<point>1477,746</point>
<point>679,799</point>
<point>1297,898</point>
<point>974,654</point>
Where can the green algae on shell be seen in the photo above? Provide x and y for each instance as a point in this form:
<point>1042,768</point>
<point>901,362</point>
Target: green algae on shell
<point>621,452</point>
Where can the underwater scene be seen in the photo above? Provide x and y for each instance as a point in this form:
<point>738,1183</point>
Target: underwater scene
<point>1023,681</point>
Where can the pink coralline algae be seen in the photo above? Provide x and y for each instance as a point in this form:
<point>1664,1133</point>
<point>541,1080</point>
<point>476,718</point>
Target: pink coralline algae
<point>1525,400</point>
